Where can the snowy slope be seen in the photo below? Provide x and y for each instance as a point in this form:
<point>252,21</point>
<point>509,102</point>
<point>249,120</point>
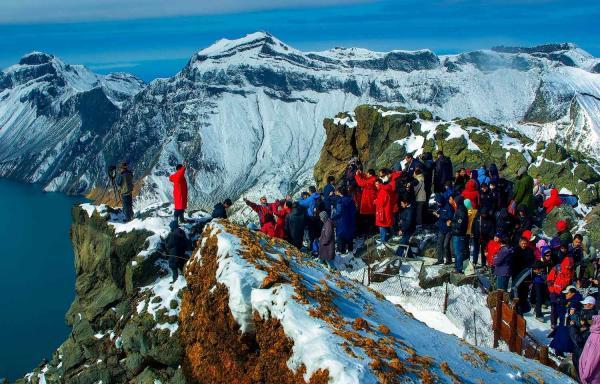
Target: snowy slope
<point>247,114</point>
<point>51,113</point>
<point>341,326</point>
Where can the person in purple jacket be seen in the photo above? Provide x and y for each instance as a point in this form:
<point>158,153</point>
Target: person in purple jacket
<point>502,263</point>
<point>589,362</point>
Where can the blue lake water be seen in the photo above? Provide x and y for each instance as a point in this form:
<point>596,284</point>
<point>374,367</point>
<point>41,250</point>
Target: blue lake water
<point>37,277</point>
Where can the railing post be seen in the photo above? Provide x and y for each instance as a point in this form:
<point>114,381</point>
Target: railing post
<point>543,355</point>
<point>445,299</point>
<point>498,317</point>
<point>512,342</point>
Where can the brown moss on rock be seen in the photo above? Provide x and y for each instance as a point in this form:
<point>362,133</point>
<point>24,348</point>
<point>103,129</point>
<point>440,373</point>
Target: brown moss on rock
<point>215,350</point>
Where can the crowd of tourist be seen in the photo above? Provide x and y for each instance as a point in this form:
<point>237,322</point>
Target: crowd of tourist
<point>478,215</point>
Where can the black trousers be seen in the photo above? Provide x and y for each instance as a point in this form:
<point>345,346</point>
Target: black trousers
<point>127,201</point>
<point>178,215</point>
<point>345,245</point>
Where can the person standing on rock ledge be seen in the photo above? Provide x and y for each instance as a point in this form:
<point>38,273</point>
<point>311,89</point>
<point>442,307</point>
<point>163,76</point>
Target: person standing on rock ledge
<point>125,183</point>
<point>180,192</point>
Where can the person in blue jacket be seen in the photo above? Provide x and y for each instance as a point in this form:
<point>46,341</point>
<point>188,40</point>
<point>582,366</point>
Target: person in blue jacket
<point>312,204</point>
<point>328,190</point>
<point>344,217</point>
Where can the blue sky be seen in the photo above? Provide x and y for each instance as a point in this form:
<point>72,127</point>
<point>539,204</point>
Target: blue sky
<point>153,38</point>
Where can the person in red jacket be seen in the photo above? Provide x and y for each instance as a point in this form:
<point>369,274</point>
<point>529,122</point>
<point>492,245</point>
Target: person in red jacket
<point>367,199</point>
<point>471,193</point>
<point>180,192</point>
<point>559,278</point>
<point>261,209</point>
<point>553,201</point>
<point>492,248</point>
<point>384,218</point>
<point>281,209</point>
<point>393,180</point>
<point>268,228</point>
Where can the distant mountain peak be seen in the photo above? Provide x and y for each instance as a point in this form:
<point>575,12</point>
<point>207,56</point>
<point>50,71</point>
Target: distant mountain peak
<point>36,58</point>
<point>227,47</point>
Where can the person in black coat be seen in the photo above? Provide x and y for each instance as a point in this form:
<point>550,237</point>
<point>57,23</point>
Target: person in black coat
<point>486,198</point>
<point>428,165</point>
<point>177,244</point>
<point>482,230</point>
<point>579,333</point>
<point>407,224</point>
<point>442,172</point>
<point>295,223</point>
<point>522,261</point>
<point>459,225</point>
<point>220,209</point>
<point>504,222</point>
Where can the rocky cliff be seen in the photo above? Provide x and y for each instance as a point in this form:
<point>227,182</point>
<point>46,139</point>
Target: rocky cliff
<point>381,137</point>
<point>124,316</point>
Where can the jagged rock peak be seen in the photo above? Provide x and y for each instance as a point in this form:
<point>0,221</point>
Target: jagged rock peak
<point>544,48</point>
<point>36,58</point>
<point>226,47</point>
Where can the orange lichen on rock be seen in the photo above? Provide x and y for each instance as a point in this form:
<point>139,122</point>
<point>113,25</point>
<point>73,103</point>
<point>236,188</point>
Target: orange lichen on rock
<point>360,324</point>
<point>215,351</point>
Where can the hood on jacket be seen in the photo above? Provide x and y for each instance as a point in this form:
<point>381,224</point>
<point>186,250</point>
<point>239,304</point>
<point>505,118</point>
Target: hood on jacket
<point>471,185</point>
<point>565,264</point>
<point>540,244</point>
<point>554,192</point>
<point>561,225</point>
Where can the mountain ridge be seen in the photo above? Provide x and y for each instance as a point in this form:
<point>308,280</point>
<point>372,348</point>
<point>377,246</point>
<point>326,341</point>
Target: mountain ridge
<point>248,113</point>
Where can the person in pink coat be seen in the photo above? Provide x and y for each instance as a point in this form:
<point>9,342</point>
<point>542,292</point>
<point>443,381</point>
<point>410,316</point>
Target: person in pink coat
<point>589,362</point>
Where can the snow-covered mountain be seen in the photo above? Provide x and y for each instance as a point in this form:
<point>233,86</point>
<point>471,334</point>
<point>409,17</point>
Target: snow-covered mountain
<point>248,113</point>
<point>52,114</point>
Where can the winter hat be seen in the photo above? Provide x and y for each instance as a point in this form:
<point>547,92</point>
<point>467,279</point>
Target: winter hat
<point>522,171</point>
<point>323,215</point>
<point>569,288</point>
<point>589,300</point>
<point>468,204</point>
<point>527,235</point>
<point>555,242</point>
<point>500,235</point>
<point>546,249</point>
<point>561,225</point>
<point>173,224</point>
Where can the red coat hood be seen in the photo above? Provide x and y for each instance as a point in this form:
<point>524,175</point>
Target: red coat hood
<point>471,185</point>
<point>554,192</point>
